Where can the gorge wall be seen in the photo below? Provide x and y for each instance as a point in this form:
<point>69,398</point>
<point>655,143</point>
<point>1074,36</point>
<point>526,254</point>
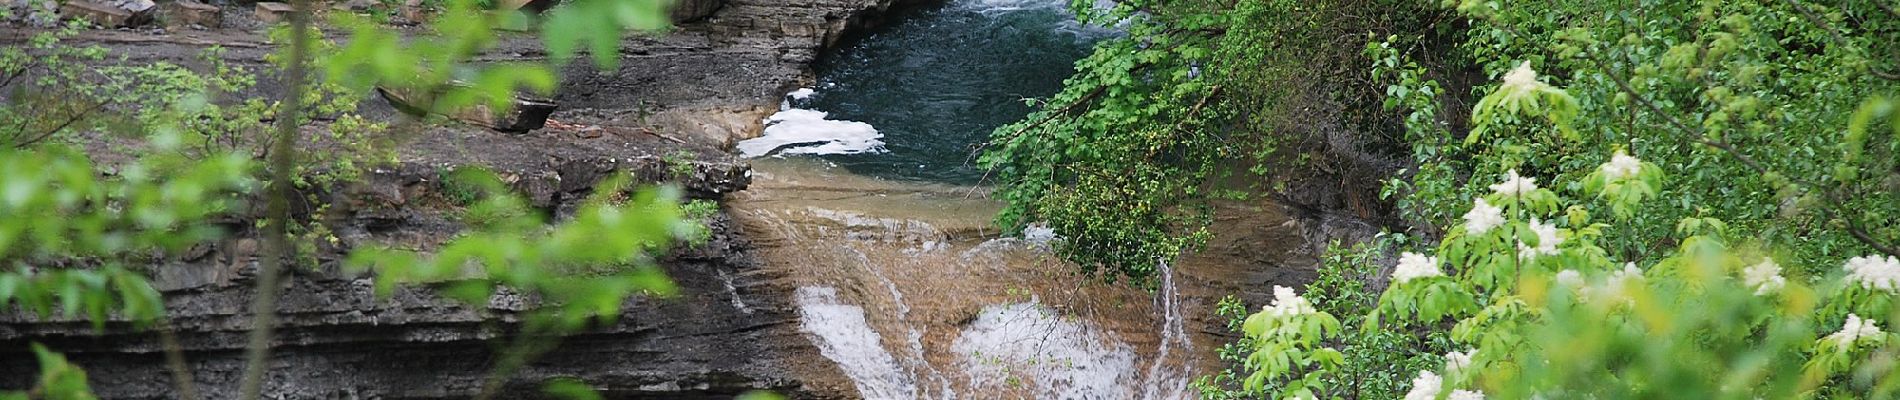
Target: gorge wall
<point>695,89</point>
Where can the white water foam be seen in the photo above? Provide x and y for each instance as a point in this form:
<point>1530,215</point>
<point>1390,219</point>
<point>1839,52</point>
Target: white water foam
<point>801,131</point>
<point>1026,343</point>
<point>845,337</point>
<point>1161,382</point>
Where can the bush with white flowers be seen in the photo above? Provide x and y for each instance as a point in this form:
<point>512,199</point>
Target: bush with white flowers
<point>1543,312</point>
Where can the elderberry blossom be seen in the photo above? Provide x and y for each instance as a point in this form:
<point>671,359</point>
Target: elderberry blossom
<point>1873,272</point>
<point>1413,266</point>
<point>1482,217</point>
<point>1570,278</point>
<point>1521,81</point>
<point>1620,166</point>
<point>1458,360</point>
<point>1765,277</point>
<point>1618,284</point>
<point>1853,331</point>
<point>1515,184</point>
<point>1547,241</point>
<point>1286,303</point>
<point>1425,386</point>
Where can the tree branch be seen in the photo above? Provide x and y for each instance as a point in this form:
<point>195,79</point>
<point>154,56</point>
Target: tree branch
<point>1697,135</point>
<point>277,247</point>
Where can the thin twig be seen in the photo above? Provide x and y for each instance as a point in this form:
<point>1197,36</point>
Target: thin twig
<point>1836,33</point>
<point>1697,135</point>
<point>277,247</point>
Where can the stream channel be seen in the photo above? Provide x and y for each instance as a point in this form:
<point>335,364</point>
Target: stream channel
<point>866,198</point>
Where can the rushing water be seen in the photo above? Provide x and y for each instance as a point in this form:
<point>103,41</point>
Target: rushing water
<point>861,196</point>
<point>908,100</point>
<point>907,288</point>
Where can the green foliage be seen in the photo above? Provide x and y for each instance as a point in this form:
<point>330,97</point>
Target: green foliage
<point>1547,312</point>
<point>679,164</point>
<point>59,380</point>
<point>1374,362</point>
<point>510,247</point>
<point>74,232</point>
<point>71,237</point>
<point>50,90</point>
<point>1201,100</point>
<point>1737,101</point>
<point>699,215</point>
<point>443,63</point>
<point>570,389</point>
<point>1111,161</point>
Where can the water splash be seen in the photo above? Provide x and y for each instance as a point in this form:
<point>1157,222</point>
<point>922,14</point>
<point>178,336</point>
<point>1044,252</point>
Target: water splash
<point>1163,382</point>
<point>845,337</point>
<point>1028,346</point>
<point>801,131</point>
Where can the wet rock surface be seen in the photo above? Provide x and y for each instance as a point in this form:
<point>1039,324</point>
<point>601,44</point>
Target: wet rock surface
<point>683,96</point>
<point>338,340</point>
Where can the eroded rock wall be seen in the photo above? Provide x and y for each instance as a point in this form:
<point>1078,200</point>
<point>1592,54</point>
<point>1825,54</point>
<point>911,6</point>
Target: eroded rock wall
<point>685,95</point>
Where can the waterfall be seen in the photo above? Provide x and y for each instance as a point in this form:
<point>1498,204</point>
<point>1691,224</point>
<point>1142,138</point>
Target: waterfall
<point>845,337</point>
<point>1163,382</point>
<point>904,284</point>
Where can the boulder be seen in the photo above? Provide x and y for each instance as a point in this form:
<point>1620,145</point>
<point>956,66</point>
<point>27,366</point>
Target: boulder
<point>355,6</point>
<point>691,10</point>
<point>526,114</point>
<point>273,12</point>
<point>414,11</point>
<point>184,13</point>
<point>37,13</point>
<point>101,15</point>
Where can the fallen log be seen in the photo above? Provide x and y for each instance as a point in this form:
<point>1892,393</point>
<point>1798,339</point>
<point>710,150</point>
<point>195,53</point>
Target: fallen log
<point>523,115</point>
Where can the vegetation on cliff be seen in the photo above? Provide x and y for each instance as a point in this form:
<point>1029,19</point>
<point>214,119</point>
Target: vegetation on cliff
<point>1677,154</point>
<point>81,235</point>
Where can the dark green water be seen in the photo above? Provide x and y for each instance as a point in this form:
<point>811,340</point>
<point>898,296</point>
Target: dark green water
<point>940,79</point>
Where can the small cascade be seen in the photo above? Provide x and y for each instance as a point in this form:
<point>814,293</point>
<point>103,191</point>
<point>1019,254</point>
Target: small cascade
<point>906,286</point>
<point>846,337</point>
<point>1029,349</point>
<point>931,305</point>
<point>1162,381</point>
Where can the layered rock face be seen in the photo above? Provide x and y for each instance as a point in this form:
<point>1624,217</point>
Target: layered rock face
<point>689,92</point>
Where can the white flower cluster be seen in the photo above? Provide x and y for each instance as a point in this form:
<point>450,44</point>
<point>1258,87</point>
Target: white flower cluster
<point>1765,277</point>
<point>1427,385</point>
<point>1547,241</point>
<point>1621,166</point>
<point>1874,272</point>
<point>1521,81</point>
<point>1288,304</point>
<point>1413,266</point>
<point>1458,360</point>
<point>1853,331</point>
<point>1571,278</point>
<point>1482,217</point>
<point>1615,288</point>
<point>1515,185</point>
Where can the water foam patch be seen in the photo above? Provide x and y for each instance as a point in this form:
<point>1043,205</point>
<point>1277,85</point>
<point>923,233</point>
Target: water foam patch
<point>1062,359</point>
<point>801,131</point>
<point>845,337</point>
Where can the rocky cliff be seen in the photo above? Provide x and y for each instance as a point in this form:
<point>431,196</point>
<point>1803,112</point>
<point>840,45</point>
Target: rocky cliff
<point>695,89</point>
